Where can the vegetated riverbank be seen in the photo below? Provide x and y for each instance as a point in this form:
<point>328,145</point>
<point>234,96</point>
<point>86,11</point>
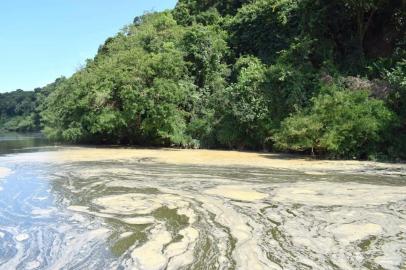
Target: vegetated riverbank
<point>215,158</point>
<point>296,76</point>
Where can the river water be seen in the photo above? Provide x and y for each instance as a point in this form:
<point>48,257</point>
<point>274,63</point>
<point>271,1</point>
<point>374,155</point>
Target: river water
<point>62,208</point>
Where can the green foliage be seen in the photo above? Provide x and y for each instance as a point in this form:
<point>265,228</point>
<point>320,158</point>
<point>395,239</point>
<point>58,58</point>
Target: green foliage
<point>20,123</point>
<point>187,10</point>
<point>237,74</point>
<point>245,118</point>
<point>397,100</point>
<point>136,91</point>
<point>263,28</point>
<point>341,122</point>
<point>290,82</point>
<point>17,111</point>
<point>397,79</point>
<point>205,49</point>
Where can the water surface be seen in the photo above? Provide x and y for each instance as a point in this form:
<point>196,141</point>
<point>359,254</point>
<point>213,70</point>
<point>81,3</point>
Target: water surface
<point>11,142</point>
<point>139,213</point>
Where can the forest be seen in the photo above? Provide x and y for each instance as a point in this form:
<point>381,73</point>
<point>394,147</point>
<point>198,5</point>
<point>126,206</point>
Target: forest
<point>322,77</point>
<point>18,111</point>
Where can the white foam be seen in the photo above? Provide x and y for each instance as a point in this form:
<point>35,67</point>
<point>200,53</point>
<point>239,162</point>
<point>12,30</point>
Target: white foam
<point>139,220</point>
<point>241,193</point>
<point>22,237</point>
<point>149,256</point>
<point>330,194</point>
<point>348,233</point>
<point>33,265</point>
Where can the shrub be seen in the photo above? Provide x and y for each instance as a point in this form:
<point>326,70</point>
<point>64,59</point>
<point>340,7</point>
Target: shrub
<point>340,122</point>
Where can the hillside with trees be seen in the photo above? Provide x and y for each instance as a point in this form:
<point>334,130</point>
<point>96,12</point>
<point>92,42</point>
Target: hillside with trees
<point>314,77</point>
<point>20,111</point>
<point>17,111</point>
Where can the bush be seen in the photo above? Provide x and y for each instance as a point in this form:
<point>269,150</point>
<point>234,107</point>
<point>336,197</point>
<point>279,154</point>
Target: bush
<point>245,119</point>
<point>341,123</point>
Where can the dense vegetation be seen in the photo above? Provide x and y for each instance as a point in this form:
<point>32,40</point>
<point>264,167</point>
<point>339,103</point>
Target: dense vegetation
<point>21,110</point>
<point>18,111</point>
<point>323,77</point>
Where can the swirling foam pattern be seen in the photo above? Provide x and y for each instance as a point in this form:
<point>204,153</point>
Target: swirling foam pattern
<point>145,215</point>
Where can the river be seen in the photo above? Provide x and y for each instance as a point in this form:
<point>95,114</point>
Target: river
<point>113,208</point>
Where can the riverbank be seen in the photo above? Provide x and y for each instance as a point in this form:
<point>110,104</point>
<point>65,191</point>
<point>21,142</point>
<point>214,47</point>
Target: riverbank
<point>216,158</point>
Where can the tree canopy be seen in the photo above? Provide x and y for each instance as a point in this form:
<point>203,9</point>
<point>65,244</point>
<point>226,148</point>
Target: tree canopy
<point>321,77</point>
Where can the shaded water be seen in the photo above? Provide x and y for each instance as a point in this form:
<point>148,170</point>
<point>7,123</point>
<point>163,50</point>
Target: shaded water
<point>141,214</point>
<point>17,142</point>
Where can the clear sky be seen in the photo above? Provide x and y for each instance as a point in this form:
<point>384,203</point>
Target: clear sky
<point>41,40</point>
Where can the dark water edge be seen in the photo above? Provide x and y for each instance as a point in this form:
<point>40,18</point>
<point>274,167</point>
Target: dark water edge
<point>12,142</point>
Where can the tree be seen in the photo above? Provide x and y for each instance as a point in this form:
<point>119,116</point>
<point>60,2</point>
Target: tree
<point>341,123</point>
<point>135,91</point>
<point>17,111</point>
<point>236,73</point>
<point>397,101</point>
<point>364,11</point>
<point>245,119</point>
<point>263,28</point>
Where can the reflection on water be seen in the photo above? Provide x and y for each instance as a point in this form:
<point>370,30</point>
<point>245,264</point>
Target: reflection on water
<point>143,215</point>
<point>17,142</point>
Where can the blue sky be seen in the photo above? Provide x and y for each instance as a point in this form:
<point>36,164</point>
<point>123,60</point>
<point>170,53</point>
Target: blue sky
<point>41,40</point>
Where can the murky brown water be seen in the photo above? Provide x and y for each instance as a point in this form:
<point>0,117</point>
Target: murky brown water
<point>114,211</point>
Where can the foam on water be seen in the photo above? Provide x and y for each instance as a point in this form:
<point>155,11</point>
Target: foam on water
<point>94,213</point>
